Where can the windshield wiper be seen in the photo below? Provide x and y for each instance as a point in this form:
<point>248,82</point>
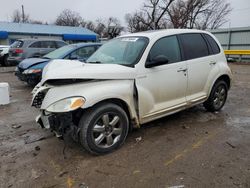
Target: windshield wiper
<point>46,57</point>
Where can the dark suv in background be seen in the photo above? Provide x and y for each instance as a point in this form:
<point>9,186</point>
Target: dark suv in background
<point>26,48</point>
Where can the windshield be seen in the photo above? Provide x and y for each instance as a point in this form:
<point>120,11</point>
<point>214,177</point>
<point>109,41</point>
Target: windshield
<point>60,52</point>
<point>123,51</point>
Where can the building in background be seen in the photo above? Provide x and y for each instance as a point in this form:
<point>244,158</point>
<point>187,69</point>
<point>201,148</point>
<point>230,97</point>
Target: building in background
<point>234,38</point>
<point>9,32</point>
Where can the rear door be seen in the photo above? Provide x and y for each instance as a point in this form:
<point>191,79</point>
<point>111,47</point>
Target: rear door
<point>34,49</point>
<point>47,46</point>
<point>200,63</point>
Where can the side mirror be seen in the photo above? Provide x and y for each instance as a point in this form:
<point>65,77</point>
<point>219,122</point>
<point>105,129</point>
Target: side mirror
<point>157,61</point>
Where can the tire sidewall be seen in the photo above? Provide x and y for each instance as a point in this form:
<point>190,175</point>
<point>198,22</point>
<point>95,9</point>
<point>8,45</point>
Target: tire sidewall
<point>88,121</point>
<point>210,103</point>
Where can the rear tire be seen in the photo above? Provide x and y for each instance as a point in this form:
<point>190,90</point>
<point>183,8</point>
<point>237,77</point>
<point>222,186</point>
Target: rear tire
<point>217,97</point>
<point>5,61</point>
<point>103,128</point>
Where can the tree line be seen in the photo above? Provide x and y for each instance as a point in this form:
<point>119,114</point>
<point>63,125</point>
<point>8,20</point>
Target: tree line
<point>153,14</point>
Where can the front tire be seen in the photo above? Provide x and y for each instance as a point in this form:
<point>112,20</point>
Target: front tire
<point>218,96</point>
<point>103,128</point>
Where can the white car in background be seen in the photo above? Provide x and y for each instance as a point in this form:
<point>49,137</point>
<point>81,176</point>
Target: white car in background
<point>4,53</point>
<point>129,81</point>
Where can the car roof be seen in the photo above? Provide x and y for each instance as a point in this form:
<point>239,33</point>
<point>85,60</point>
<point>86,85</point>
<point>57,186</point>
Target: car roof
<point>155,33</point>
<point>43,39</point>
<point>82,44</point>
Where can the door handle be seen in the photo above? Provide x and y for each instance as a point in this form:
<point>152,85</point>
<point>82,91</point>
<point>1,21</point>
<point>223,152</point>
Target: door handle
<point>182,70</point>
<point>212,63</point>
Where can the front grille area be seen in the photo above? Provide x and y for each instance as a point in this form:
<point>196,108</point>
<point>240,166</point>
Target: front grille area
<point>38,100</point>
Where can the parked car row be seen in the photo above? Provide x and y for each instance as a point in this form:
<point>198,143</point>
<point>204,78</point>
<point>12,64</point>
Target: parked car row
<point>28,48</point>
<point>129,81</point>
<point>30,70</point>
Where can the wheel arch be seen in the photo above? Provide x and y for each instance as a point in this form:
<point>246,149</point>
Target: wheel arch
<point>125,106</point>
<point>223,77</point>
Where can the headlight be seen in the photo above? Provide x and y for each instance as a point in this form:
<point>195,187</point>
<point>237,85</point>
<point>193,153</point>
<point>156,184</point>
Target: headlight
<point>66,105</point>
<point>30,71</point>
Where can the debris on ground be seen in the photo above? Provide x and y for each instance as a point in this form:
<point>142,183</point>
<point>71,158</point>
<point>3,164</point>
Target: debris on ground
<point>16,126</point>
<point>138,139</point>
<point>231,145</point>
<point>177,186</point>
<point>63,173</point>
<point>83,185</point>
<point>185,127</point>
<point>37,148</point>
<point>29,140</point>
<point>136,172</point>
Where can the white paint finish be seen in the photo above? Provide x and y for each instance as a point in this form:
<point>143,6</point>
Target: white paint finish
<point>63,69</point>
<point>161,90</point>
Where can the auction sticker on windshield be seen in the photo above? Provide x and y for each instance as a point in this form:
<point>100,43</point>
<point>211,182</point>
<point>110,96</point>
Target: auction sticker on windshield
<point>129,39</point>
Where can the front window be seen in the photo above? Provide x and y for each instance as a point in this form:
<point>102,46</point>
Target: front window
<point>123,51</point>
<point>60,52</point>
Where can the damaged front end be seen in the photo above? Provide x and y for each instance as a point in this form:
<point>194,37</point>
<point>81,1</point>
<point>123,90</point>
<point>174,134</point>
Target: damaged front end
<point>61,116</point>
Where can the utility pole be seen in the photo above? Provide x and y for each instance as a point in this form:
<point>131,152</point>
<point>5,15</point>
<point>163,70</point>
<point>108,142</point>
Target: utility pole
<point>23,13</point>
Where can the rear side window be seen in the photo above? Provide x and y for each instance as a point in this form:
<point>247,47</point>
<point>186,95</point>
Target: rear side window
<point>194,46</point>
<point>35,45</point>
<point>213,44</point>
<point>60,44</point>
<point>167,46</point>
<point>48,44</point>
<point>84,53</point>
<point>17,44</point>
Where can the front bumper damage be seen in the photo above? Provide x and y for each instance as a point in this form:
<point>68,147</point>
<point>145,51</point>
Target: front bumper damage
<point>61,123</point>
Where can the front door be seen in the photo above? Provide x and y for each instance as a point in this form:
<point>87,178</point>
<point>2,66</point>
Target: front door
<point>162,89</point>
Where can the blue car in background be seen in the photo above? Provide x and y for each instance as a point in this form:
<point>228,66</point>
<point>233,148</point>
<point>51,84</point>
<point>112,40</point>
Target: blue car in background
<point>30,70</point>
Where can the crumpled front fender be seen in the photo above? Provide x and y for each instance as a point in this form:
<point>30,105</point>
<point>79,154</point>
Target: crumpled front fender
<point>94,92</point>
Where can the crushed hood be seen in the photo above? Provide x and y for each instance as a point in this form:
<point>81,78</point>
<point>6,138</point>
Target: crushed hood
<point>71,69</point>
<point>27,63</point>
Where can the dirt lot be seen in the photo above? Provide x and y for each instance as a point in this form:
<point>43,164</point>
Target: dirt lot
<point>193,148</point>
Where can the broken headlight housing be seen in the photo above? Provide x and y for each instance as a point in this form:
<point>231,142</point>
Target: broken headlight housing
<point>66,105</point>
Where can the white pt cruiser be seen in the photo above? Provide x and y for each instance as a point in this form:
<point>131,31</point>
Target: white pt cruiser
<point>129,81</point>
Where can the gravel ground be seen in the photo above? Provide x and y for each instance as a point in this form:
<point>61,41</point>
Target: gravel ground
<point>193,148</point>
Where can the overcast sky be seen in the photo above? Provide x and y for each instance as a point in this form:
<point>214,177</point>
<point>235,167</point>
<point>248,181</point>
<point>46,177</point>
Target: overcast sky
<point>47,10</point>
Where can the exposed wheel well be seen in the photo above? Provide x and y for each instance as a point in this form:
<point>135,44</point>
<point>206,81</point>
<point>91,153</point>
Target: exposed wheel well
<point>116,101</point>
<point>226,79</point>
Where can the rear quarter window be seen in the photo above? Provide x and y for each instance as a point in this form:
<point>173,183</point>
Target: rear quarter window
<point>215,49</point>
<point>60,44</point>
<point>48,44</point>
<point>17,44</point>
<point>194,46</point>
<point>35,45</point>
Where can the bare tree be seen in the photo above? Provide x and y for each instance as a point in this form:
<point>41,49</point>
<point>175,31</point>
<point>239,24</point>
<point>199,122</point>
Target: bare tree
<point>151,16</point>
<point>17,17</point>
<point>103,26</point>
<point>215,15</point>
<point>69,18</point>
<point>201,14</point>
<point>158,14</point>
